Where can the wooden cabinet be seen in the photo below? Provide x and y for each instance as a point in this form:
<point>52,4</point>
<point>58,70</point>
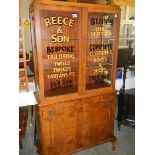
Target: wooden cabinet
<point>75,51</point>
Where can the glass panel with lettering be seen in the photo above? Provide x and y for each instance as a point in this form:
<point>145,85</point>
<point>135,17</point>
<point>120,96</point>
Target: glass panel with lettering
<point>60,48</point>
<point>100,47</point>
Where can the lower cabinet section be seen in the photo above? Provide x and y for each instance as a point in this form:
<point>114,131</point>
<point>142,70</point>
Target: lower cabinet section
<point>75,125</point>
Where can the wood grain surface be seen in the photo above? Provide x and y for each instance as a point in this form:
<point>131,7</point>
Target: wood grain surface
<point>83,115</point>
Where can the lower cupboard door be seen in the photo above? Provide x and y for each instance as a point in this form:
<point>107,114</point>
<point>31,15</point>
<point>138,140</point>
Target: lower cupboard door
<point>59,128</point>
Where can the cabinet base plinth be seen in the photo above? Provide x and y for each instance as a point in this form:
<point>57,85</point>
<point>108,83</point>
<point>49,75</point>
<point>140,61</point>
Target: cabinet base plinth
<point>113,140</point>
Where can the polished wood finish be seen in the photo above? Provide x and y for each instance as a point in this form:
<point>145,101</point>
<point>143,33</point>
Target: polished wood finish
<point>78,124</point>
<point>75,121</point>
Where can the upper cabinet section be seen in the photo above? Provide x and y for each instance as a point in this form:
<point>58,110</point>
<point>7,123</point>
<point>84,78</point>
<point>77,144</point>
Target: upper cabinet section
<point>76,48</point>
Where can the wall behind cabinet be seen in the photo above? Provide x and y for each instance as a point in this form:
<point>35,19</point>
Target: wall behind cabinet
<point>25,14</point>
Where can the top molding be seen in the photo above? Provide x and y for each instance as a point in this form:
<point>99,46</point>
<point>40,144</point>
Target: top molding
<point>75,4</point>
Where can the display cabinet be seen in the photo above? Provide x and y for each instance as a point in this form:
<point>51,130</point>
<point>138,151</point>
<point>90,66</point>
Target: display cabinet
<point>127,28</point>
<point>75,53</point>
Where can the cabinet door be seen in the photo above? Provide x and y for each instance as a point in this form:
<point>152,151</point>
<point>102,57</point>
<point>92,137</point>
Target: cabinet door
<point>100,49</point>
<point>98,118</point>
<point>60,46</point>
<point>60,129</point>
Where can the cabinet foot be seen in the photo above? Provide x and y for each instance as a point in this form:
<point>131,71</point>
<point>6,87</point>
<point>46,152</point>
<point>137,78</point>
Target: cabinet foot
<point>114,141</point>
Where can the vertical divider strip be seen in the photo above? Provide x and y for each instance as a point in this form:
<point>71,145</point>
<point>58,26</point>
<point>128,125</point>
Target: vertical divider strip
<point>39,52</point>
<point>84,39</point>
<point>80,82</point>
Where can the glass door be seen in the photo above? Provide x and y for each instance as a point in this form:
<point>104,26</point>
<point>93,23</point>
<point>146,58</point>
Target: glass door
<point>60,41</point>
<point>100,49</point>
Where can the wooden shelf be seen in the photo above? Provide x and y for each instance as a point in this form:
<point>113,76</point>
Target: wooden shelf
<point>21,69</point>
<point>20,51</point>
<point>22,78</point>
<point>23,88</point>
<point>21,60</point>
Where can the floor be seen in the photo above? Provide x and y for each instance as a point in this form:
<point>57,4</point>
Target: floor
<point>125,143</point>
